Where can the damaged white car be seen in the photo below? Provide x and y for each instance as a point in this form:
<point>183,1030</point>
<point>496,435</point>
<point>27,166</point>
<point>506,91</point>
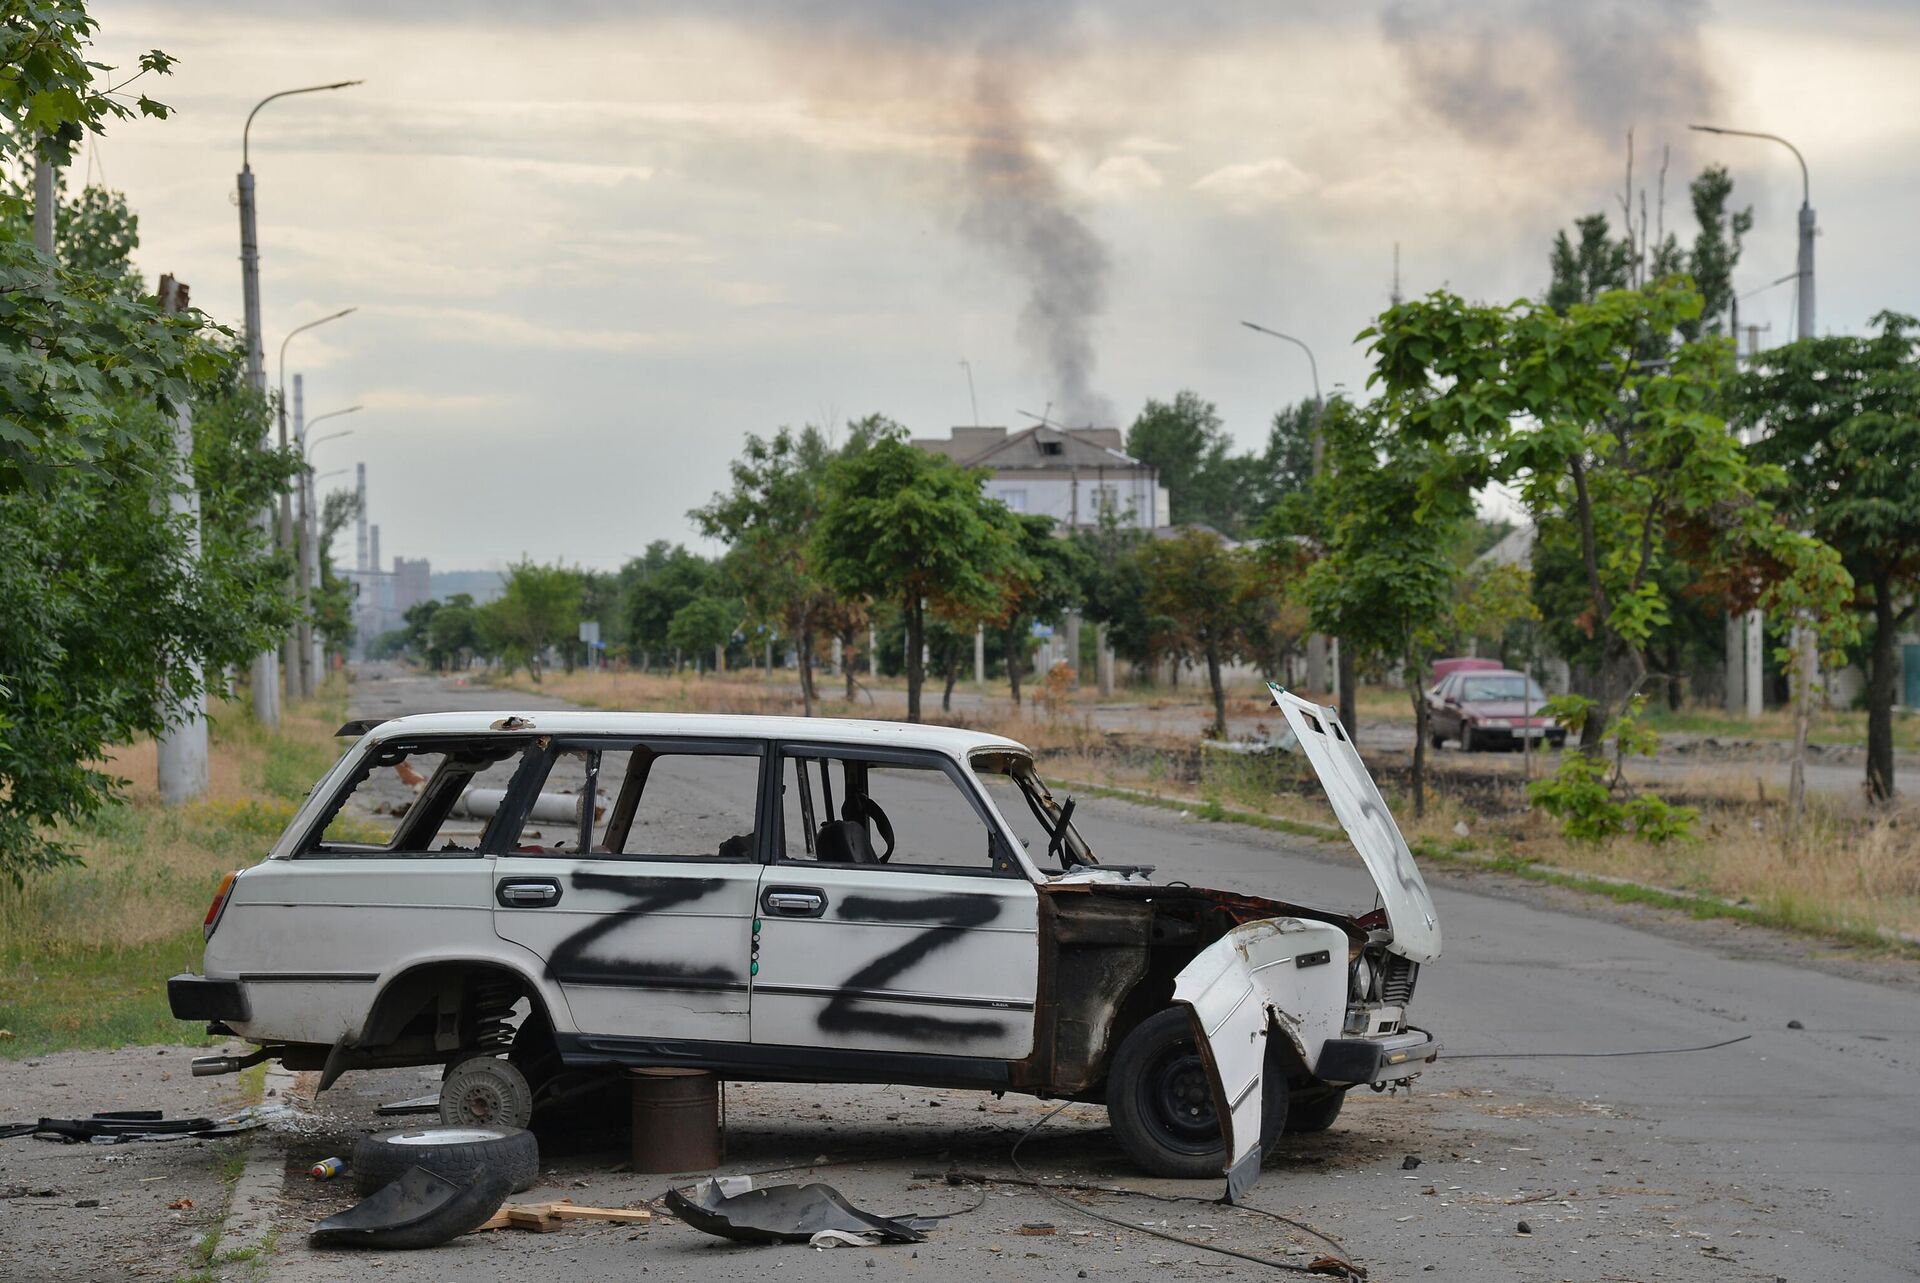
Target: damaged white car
<point>537,900</point>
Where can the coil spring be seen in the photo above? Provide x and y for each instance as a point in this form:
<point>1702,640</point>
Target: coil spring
<point>493,1002</point>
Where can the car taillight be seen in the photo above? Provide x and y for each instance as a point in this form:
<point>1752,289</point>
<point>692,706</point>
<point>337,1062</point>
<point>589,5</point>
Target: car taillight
<point>218,906</point>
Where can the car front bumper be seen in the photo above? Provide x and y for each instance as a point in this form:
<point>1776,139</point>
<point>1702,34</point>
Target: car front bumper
<point>207,998</point>
<point>1385,1059</point>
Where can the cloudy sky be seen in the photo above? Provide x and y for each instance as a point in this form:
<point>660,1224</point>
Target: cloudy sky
<point>594,245</point>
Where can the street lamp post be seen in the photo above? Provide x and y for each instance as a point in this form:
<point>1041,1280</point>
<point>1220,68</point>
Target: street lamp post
<point>1317,642</point>
<point>1803,329</point>
<point>293,649</point>
<point>1803,324</point>
<point>310,657</point>
<point>266,678</point>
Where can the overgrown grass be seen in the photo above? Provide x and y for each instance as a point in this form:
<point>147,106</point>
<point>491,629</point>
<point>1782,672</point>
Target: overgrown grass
<point>85,950</point>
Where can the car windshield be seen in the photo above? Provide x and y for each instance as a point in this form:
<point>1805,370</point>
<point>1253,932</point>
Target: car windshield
<point>1502,686</point>
<point>1031,811</point>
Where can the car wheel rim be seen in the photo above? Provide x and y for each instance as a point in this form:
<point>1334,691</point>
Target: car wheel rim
<point>1179,1099</point>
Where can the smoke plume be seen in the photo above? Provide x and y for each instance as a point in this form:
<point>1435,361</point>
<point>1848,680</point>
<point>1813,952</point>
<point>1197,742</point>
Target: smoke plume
<point>1493,69</point>
<point>1016,208</point>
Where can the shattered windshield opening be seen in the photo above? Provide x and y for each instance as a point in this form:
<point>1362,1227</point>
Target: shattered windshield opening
<point>1032,812</point>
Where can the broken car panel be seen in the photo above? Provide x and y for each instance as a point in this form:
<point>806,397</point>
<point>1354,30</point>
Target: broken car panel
<point>804,900</point>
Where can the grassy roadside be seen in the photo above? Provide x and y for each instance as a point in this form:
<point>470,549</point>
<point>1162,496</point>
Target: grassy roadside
<point>85,950</point>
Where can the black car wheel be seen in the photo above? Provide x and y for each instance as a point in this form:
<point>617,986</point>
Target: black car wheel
<point>1161,1105</point>
<point>1466,740</point>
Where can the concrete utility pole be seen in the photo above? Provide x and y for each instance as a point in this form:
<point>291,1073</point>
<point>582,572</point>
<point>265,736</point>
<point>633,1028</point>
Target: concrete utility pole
<point>266,665</point>
<point>293,649</point>
<point>182,747</point>
<point>46,203</point>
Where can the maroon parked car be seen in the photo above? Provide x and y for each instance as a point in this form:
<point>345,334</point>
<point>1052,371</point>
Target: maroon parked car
<point>1497,709</point>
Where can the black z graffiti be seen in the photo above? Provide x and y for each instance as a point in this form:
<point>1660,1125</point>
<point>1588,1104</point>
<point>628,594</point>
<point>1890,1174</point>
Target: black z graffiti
<point>948,916</point>
<point>569,963</point>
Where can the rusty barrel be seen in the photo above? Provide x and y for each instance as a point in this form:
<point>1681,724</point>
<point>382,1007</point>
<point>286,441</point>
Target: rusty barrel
<point>676,1120</point>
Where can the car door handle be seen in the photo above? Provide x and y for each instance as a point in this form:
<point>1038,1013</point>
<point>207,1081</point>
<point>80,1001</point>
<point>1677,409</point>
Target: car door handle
<point>527,893</point>
<point>795,902</point>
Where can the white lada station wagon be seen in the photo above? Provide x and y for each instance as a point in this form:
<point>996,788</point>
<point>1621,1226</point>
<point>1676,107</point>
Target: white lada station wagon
<point>537,900</point>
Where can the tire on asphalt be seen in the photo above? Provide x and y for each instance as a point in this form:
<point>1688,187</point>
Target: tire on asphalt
<point>1314,1114</point>
<point>463,1155</point>
<point>1160,1102</point>
<point>485,1091</point>
<point>1466,739</point>
<point>1437,740</point>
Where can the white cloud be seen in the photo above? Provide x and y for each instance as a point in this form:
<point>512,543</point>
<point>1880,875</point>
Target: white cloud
<point>1252,184</point>
<point>1117,177</point>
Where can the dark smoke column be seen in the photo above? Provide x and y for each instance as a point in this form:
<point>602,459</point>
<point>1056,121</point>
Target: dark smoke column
<point>1015,207</point>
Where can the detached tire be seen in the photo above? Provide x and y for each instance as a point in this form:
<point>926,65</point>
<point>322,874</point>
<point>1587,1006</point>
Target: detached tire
<point>1160,1101</point>
<point>464,1155</point>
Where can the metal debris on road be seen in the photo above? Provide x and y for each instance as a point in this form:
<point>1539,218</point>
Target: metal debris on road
<point>783,1214</point>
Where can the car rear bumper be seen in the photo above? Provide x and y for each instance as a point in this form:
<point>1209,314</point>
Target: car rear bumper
<point>206,998</point>
<point>1385,1059</point>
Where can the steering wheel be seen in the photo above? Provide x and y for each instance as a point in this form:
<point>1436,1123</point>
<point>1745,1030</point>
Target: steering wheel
<point>856,807</point>
<point>1056,844</point>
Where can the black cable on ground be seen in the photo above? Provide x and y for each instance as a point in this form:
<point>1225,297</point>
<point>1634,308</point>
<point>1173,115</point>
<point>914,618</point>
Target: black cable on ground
<point>1586,1055</point>
<point>1335,1267</point>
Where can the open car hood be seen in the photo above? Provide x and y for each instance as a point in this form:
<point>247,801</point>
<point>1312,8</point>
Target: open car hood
<point>1364,815</point>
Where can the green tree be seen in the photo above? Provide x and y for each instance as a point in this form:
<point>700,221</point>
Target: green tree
<point>538,608</point>
<point>659,583</point>
<point>453,633</point>
<point>1041,582</point>
<point>1632,457</point>
<point>702,627</point>
<point>1185,441</point>
<point>1597,264</point>
<point>768,521</point>
<point>1201,587</point>
<point>905,525</point>
<point>76,346</point>
<point>1840,418</point>
<point>333,604</point>
<point>108,625</point>
<point>1113,589</point>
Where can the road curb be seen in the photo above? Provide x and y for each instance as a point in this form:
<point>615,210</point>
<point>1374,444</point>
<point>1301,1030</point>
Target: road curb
<point>246,1234</point>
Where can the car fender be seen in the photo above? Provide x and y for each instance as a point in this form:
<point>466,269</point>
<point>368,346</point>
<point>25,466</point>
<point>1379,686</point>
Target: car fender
<point>1277,977</point>
<point>504,954</point>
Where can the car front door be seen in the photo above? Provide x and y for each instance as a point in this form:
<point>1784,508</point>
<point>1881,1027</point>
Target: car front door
<point>632,877</point>
<point>893,917</point>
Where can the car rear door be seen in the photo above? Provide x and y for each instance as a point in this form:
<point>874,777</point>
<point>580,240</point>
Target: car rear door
<point>934,950</point>
<point>632,876</point>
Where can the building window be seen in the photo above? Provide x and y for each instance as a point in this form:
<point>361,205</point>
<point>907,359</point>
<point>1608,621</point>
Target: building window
<point>1014,499</point>
<point>1051,447</point>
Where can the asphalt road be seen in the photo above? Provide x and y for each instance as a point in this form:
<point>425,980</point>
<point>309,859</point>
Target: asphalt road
<point>1792,1155</point>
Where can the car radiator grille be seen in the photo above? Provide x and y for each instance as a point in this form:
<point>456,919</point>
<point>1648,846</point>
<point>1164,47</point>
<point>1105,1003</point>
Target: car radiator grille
<point>1396,982</point>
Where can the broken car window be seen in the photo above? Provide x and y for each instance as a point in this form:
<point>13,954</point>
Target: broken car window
<point>1030,810</point>
<point>849,811</point>
<point>644,802</point>
<point>431,797</point>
